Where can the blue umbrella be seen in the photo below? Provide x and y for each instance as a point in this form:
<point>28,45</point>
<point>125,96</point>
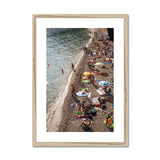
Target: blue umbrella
<point>104,83</point>
<point>98,81</point>
<point>82,94</point>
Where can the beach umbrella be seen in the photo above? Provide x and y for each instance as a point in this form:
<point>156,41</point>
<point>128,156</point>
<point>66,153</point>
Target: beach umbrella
<point>82,93</point>
<point>104,83</point>
<point>86,73</point>
<point>86,81</point>
<point>99,64</point>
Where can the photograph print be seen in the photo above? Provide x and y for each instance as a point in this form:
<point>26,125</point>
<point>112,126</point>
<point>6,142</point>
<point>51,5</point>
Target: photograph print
<point>79,79</point>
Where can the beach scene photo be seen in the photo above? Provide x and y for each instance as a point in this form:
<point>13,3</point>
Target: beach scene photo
<point>79,79</point>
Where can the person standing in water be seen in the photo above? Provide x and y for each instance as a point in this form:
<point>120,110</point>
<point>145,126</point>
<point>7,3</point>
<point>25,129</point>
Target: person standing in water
<point>62,71</point>
<point>72,67</point>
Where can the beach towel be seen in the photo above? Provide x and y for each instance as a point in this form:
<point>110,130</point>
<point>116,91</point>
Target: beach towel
<point>82,93</point>
<point>97,109</point>
<point>95,100</point>
<point>107,99</point>
<point>104,74</point>
<point>79,113</point>
<point>100,91</point>
<point>109,62</point>
<point>78,118</point>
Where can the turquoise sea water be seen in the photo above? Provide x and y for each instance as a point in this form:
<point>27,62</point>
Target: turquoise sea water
<point>64,46</point>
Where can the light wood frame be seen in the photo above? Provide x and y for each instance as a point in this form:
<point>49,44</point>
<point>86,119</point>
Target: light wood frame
<point>80,144</point>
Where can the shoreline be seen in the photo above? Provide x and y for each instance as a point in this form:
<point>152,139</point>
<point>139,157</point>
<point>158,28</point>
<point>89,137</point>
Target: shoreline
<point>53,114</point>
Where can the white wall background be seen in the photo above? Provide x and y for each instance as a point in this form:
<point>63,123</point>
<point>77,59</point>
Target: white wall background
<point>16,79</point>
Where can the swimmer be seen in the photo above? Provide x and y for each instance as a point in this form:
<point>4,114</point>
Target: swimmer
<point>62,71</point>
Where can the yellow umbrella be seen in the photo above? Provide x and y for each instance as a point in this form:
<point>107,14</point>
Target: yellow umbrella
<point>86,73</point>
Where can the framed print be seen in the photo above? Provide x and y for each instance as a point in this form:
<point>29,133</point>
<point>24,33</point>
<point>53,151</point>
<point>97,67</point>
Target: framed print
<point>80,80</point>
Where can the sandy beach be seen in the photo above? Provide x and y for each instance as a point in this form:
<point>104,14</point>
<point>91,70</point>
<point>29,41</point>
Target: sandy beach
<point>70,122</point>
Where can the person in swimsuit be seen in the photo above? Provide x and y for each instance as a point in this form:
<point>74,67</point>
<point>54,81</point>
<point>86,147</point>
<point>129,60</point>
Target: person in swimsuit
<point>62,71</point>
<point>72,66</point>
<point>73,90</point>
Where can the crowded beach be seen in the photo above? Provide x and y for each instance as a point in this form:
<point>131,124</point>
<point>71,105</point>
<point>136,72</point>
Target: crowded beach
<point>89,104</point>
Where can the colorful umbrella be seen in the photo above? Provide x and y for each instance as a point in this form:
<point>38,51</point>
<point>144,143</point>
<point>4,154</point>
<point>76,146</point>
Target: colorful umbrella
<point>86,81</point>
<point>82,94</point>
<point>104,83</point>
<point>86,73</point>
